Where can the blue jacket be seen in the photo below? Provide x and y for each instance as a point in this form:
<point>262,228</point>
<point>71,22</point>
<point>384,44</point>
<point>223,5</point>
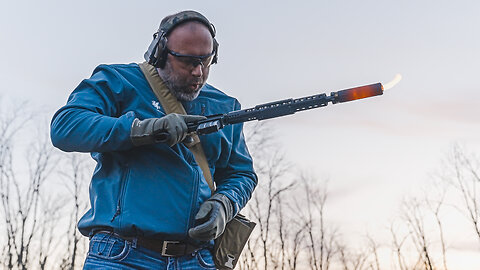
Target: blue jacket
<point>152,190</point>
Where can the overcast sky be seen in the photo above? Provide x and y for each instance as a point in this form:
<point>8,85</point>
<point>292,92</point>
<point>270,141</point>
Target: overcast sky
<point>374,151</point>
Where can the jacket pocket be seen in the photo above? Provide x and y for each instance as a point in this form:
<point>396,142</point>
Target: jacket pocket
<point>121,195</point>
<point>194,206</point>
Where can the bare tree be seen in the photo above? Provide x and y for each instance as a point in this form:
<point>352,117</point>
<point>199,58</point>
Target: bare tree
<point>272,169</point>
<point>373,249</point>
<point>397,245</point>
<point>48,240</point>
<point>343,256</point>
<point>435,205</point>
<point>261,143</point>
<point>462,173</point>
<point>20,196</point>
<point>7,132</point>
<point>264,201</point>
<point>414,217</point>
<point>248,260</point>
<point>298,238</point>
<point>25,209</point>
<point>350,258</point>
<point>303,240</point>
<point>311,208</point>
<point>287,217</point>
<point>75,182</point>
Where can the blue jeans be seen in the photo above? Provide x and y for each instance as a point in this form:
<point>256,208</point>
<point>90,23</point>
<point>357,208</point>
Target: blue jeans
<point>108,251</point>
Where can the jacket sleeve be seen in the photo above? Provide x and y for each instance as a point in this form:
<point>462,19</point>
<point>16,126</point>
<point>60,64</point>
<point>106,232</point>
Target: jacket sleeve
<point>238,179</point>
<point>90,121</point>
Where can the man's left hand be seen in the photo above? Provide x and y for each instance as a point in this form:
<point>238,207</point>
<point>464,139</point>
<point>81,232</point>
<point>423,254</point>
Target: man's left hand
<point>211,219</point>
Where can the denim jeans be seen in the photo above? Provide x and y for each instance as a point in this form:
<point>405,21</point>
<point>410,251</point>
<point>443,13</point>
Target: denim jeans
<point>108,251</point>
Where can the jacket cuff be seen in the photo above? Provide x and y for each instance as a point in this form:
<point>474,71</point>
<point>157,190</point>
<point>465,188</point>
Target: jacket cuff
<point>227,204</point>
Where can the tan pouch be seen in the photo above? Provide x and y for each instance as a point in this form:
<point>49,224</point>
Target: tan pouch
<point>228,247</point>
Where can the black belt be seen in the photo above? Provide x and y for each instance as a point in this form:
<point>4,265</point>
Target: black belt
<point>164,247</point>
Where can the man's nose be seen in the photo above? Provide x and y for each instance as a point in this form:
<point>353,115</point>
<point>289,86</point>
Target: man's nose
<point>197,70</point>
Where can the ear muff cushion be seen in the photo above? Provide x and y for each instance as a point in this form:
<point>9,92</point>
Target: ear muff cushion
<point>162,52</point>
<point>151,55</point>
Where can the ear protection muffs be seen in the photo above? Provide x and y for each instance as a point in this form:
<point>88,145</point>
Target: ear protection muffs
<point>156,54</point>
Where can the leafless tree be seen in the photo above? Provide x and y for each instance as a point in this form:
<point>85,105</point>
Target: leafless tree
<point>351,259</point>
<point>263,205</point>
<point>291,232</point>
<point>48,239</point>
<point>435,205</point>
<point>29,213</point>
<point>9,126</point>
<point>272,169</point>
<point>343,256</point>
<point>298,238</point>
<point>311,210</point>
<point>261,144</point>
<point>462,172</point>
<point>398,243</point>
<point>75,182</point>
<point>288,211</point>
<point>248,261</point>
<point>373,250</point>
<point>414,217</point>
<point>20,195</point>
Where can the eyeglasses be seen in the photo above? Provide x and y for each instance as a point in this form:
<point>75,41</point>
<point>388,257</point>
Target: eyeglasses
<point>193,60</point>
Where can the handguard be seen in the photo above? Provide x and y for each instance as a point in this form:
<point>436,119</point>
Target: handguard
<point>214,123</point>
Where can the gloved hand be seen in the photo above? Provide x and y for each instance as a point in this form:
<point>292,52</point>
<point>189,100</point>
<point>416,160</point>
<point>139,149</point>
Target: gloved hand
<point>143,131</point>
<point>212,217</point>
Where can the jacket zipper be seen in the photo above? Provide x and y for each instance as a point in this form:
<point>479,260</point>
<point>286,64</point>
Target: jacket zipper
<point>196,185</point>
<point>122,193</point>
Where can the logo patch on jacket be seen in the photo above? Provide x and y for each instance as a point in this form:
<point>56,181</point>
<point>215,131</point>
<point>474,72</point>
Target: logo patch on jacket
<point>156,104</point>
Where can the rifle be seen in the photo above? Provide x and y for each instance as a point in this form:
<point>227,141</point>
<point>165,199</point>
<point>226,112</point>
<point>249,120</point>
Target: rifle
<point>214,123</point>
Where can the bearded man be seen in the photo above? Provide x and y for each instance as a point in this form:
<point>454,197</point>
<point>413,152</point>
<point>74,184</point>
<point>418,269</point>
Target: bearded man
<point>150,204</point>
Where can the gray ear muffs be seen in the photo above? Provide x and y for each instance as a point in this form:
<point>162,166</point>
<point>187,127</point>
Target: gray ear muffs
<point>156,54</point>
<point>152,54</point>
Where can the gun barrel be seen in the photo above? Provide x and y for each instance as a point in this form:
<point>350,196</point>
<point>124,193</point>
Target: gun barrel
<point>357,93</point>
<point>214,123</point>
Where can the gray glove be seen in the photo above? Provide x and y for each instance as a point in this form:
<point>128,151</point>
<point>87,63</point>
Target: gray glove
<point>212,217</point>
<point>175,125</point>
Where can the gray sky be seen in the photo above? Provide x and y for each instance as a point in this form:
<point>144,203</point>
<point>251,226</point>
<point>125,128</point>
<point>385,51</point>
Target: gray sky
<point>374,151</point>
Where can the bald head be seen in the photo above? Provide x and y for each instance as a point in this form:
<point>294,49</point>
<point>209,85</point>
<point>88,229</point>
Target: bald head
<point>192,37</point>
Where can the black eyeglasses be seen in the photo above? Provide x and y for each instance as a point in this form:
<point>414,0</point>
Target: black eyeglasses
<point>193,60</point>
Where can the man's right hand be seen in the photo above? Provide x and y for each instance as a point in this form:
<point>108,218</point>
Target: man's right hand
<point>175,125</point>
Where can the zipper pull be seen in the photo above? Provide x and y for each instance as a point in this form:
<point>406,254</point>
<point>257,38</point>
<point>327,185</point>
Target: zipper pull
<point>116,213</point>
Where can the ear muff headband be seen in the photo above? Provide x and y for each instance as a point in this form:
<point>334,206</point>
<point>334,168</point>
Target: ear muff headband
<point>156,54</point>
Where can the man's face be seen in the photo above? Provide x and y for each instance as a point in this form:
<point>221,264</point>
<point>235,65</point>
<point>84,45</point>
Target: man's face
<point>183,76</point>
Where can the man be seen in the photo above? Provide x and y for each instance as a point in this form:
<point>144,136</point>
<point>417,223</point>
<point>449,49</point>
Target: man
<point>151,207</point>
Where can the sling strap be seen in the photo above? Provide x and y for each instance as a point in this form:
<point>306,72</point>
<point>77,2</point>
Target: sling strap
<point>171,105</point>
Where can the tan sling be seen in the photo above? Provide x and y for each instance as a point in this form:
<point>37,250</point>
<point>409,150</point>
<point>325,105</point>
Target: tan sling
<point>229,245</point>
<point>171,105</point>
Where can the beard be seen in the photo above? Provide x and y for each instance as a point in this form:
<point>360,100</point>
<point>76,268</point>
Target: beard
<point>178,85</point>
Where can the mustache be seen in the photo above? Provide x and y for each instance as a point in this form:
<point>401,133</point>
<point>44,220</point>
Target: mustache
<point>200,81</point>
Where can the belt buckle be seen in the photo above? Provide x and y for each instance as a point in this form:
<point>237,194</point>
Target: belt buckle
<point>165,247</point>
